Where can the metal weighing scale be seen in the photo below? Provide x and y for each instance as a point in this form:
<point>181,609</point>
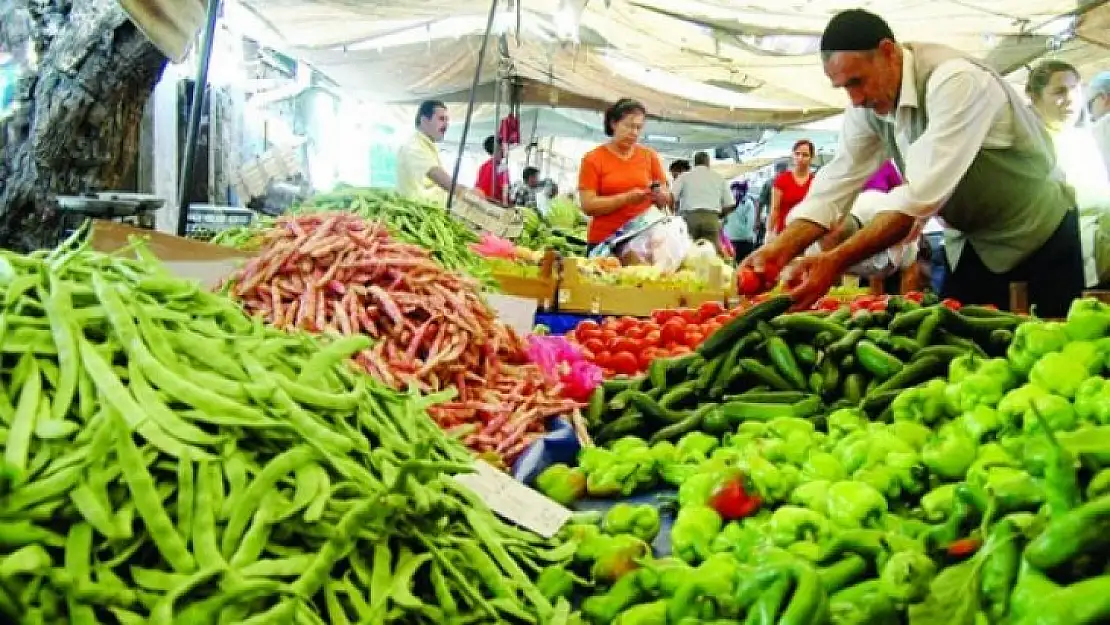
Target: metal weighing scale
<point>136,209</point>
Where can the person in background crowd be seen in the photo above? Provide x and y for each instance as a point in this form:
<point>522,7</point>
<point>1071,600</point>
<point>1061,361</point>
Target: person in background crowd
<point>1098,104</point>
<point>739,225</point>
<point>525,194</point>
<point>496,192</point>
<point>1054,90</point>
<point>763,205</point>
<point>678,168</point>
<point>791,187</point>
<point>700,195</point>
<point>971,151</point>
<point>420,174</point>
<point>619,181</point>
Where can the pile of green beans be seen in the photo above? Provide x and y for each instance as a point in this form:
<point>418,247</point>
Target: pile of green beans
<point>426,225</point>
<point>167,459</point>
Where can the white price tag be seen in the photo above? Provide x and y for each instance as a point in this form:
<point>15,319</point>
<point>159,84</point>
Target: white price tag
<point>564,296</point>
<point>515,501</point>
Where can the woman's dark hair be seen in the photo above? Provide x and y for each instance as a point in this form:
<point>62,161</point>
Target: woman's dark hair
<point>800,142</point>
<point>488,144</point>
<point>427,110</point>
<point>1040,76</point>
<point>680,166</point>
<point>621,109</point>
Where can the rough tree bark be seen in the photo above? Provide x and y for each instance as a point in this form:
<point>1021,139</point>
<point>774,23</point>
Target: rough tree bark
<point>88,74</point>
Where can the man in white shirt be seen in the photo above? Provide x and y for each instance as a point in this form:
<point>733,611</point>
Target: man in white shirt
<point>420,174</point>
<point>971,152</point>
<point>701,194</point>
<point>1098,94</point>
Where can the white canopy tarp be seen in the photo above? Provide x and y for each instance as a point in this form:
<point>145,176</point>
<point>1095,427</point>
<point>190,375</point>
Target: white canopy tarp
<point>702,60</point>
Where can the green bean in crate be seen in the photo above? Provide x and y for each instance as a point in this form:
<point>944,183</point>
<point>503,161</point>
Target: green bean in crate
<point>167,459</point>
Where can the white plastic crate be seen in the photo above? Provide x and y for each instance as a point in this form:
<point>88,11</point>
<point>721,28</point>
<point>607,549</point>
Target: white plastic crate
<point>483,216</point>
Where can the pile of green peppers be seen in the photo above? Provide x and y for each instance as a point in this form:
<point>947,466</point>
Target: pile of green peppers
<point>982,495</point>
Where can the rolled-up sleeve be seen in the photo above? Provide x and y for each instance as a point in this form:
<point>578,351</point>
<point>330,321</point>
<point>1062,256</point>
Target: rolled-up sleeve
<point>835,185</point>
<point>963,102</point>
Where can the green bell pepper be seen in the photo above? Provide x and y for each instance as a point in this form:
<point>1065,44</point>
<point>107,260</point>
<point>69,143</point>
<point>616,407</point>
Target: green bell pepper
<point>1092,400</point>
<point>790,524</point>
<point>698,488</point>
<point>906,576</point>
<point>844,421</point>
<point>671,572</point>
<point>854,504</point>
<point>822,465</point>
<point>909,472</point>
<point>937,503</point>
<point>664,452</point>
<point>912,433</point>
<point>1055,410</point>
<point>711,585</point>
<point>629,589</point>
<point>922,404</point>
<point>730,538</point>
<point>696,447</point>
<point>863,604</point>
<point>980,422</point>
<point>616,556</point>
<point>562,483</point>
<point>1088,319</point>
<point>1044,456</point>
<point>987,385</point>
<point>784,426</point>
<point>693,532</point>
<point>813,495</point>
<point>772,483</point>
<point>1032,341</point>
<point>653,613</point>
<point>610,480</point>
<point>1011,489</point>
<point>1060,374</point>
<point>642,521</point>
<point>880,477</point>
<point>950,453</point>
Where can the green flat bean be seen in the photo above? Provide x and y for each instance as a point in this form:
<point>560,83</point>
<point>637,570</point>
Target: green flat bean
<point>23,423</point>
<point>59,311</point>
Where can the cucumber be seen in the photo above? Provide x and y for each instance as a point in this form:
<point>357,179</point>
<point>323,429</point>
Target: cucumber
<point>723,338</point>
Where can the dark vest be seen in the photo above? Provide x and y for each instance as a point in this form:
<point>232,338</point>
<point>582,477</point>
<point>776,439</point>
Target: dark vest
<point>1011,200</point>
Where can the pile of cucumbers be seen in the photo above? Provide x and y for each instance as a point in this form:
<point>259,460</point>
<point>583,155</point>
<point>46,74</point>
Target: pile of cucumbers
<point>769,363</point>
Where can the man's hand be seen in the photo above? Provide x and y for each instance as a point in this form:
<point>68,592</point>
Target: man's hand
<point>769,260</point>
<point>809,278</point>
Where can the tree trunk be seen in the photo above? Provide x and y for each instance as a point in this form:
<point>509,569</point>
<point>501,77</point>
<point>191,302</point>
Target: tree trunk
<point>88,72</point>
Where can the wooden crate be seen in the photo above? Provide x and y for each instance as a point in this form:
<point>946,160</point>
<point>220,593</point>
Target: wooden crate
<point>576,295</point>
<point>542,288</point>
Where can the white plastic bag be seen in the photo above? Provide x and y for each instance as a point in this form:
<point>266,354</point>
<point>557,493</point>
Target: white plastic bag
<point>664,245</point>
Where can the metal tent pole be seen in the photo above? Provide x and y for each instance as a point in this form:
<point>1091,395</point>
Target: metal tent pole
<point>200,91</point>
<point>470,104</point>
<point>497,130</point>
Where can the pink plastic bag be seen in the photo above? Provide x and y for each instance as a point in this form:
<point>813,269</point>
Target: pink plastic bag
<point>726,245</point>
<point>492,246</point>
<point>563,363</point>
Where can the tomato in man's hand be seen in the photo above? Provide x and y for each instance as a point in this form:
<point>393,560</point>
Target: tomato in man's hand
<point>748,282</point>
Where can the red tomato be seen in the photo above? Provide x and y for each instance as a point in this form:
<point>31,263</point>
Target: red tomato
<point>952,304</point>
<point>679,350</point>
<point>610,323</point>
<point>652,338</point>
<point>914,296</point>
<point>710,327</point>
<point>708,310</point>
<point>693,339</point>
<point>662,315</point>
<point>879,305</point>
<point>609,335</point>
<point>586,325</point>
<point>624,362</point>
<point>647,355</point>
<point>622,344</point>
<point>603,359</point>
<point>673,330</point>
<point>624,323</point>
<point>690,315</point>
<point>827,303</point>
<point>636,332</point>
<point>585,336</point>
<point>593,345</point>
<point>748,282</point>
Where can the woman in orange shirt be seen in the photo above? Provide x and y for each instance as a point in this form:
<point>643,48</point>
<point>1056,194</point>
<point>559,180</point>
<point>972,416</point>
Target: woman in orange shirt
<point>620,180</point>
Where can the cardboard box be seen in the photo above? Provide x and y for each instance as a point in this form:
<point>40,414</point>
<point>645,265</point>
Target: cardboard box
<point>576,295</point>
<point>186,258</point>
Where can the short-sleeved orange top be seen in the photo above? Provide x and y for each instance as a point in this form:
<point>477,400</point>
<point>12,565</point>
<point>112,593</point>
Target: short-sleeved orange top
<point>605,173</point>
